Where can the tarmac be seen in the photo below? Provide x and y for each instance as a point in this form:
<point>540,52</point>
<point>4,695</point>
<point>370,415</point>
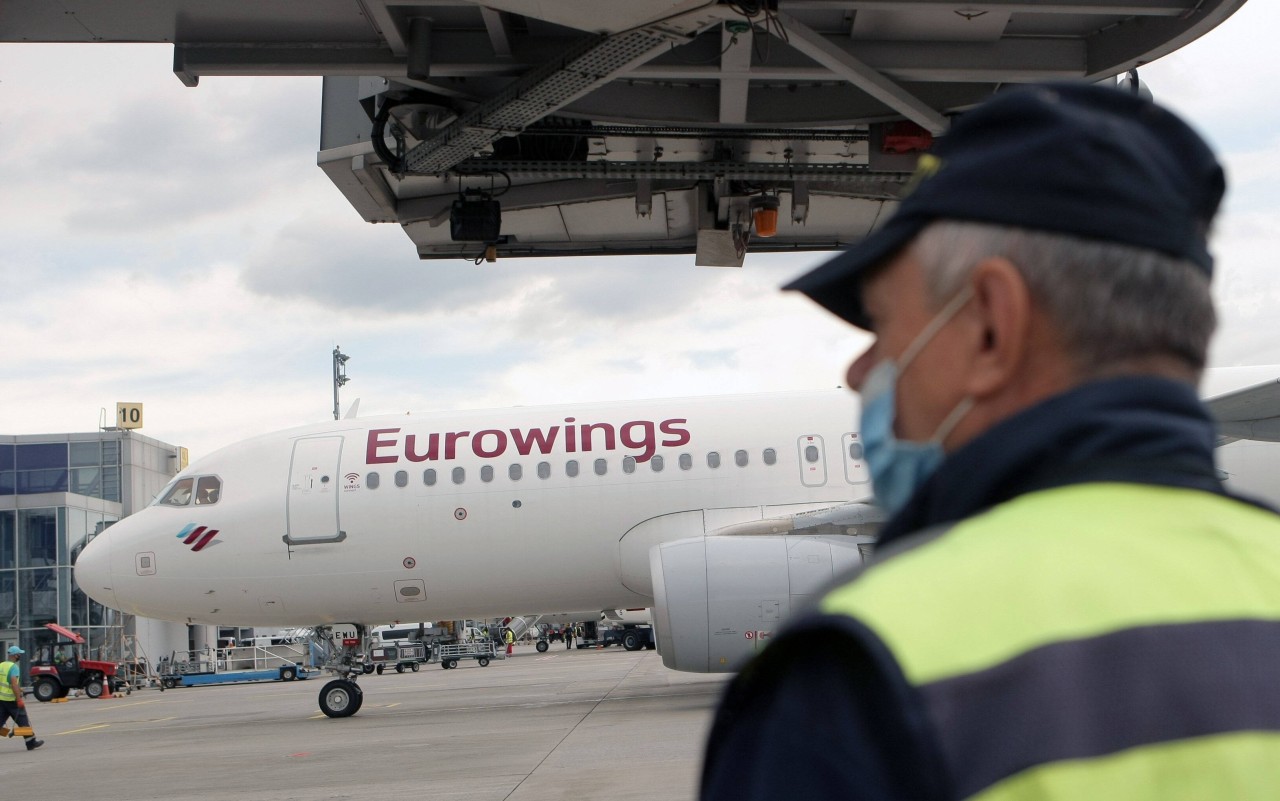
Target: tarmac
<point>561,725</point>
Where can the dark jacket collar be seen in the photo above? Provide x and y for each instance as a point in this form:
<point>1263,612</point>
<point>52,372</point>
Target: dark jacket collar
<point>1139,429</point>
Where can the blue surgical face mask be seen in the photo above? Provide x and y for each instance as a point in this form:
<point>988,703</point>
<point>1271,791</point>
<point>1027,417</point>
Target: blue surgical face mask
<point>899,467</point>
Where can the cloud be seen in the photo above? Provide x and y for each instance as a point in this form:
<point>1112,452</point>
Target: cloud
<point>1219,81</point>
<point>1217,84</point>
<point>110,164</point>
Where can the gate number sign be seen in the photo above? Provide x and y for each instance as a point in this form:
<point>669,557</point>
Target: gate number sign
<point>129,415</point>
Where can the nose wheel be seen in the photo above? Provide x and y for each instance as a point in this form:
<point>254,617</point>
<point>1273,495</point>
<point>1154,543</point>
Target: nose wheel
<point>341,698</point>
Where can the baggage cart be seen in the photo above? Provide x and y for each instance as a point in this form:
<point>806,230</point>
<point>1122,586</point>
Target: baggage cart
<point>482,652</point>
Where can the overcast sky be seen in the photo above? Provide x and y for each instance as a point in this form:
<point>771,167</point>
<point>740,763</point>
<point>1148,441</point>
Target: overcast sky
<point>179,247</point>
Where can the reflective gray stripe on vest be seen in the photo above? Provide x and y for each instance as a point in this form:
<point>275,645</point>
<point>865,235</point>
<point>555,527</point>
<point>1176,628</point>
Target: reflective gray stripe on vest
<point>1101,695</point>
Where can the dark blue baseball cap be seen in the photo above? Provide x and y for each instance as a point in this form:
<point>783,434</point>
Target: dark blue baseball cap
<point>1074,158</point>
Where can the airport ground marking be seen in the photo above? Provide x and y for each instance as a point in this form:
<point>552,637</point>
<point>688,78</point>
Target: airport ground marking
<point>137,703</point>
<point>83,729</point>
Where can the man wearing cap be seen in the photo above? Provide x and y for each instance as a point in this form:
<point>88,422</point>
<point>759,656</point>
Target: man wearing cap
<point>1065,601</point>
<point>11,703</point>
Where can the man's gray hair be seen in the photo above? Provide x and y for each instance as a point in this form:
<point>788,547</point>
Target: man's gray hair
<point>1112,303</point>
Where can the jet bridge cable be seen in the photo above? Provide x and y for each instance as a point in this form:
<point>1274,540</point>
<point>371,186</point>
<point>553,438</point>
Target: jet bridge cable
<point>394,162</point>
<point>482,173</point>
<point>772,27</point>
<point>733,40</point>
<point>747,8</point>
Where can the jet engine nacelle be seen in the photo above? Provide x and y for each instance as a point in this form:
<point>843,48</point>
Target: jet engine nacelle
<point>719,599</point>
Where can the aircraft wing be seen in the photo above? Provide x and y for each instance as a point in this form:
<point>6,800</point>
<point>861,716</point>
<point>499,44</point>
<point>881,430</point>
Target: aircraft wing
<point>858,518</point>
<point>1249,413</point>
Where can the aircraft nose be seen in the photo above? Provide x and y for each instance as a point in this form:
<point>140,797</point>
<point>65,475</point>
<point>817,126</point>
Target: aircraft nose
<point>93,571</point>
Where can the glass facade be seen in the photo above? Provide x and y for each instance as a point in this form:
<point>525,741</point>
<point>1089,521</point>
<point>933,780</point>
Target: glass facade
<point>41,537</point>
<point>37,586</point>
<point>91,469</point>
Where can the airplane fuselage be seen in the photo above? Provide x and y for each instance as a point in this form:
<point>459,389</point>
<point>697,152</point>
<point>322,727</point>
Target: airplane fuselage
<point>478,513</point>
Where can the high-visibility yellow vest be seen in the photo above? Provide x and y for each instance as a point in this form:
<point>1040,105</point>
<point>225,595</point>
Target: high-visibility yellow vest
<point>6,689</point>
<point>1093,641</point>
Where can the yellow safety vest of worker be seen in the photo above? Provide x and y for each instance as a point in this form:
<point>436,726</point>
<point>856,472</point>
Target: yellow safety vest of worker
<point>508,638</point>
<point>6,689</point>
<point>1122,653</point>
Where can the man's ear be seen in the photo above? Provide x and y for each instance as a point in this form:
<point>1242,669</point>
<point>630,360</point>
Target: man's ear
<point>1002,312</point>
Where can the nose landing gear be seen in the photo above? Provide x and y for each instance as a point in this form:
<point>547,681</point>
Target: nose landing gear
<point>341,698</point>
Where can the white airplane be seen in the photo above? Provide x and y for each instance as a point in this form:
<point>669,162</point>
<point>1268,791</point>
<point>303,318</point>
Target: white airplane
<point>721,513</point>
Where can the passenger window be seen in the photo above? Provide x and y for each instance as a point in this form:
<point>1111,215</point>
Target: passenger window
<point>179,494</point>
<point>713,459</point>
<point>571,468</point>
<point>656,463</point>
<point>515,472</point>
<point>740,458</point>
<point>429,477</point>
<point>373,481</point>
<point>486,473</point>
<point>208,488</point>
<point>402,478</point>
<point>770,456</point>
<point>602,467</point>
<point>628,464</point>
<point>459,475</point>
<point>855,451</point>
<point>686,461</point>
<point>544,469</point>
<point>811,453</point>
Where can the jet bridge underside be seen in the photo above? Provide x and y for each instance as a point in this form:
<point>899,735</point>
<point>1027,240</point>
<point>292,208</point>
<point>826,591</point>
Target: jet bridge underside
<point>608,207</point>
<point>697,127</point>
<point>712,127</point>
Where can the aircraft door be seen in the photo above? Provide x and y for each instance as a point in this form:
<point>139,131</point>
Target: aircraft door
<point>813,461</point>
<point>313,492</point>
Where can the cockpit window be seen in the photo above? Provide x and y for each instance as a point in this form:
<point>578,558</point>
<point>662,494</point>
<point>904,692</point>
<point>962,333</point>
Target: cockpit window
<point>200,490</point>
<point>179,494</point>
<point>208,488</point>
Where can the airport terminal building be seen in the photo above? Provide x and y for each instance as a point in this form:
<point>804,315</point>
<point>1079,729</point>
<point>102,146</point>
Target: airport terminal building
<point>57,492</point>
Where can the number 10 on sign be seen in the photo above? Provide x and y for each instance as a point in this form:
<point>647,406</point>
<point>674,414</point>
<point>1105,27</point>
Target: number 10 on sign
<point>129,415</point>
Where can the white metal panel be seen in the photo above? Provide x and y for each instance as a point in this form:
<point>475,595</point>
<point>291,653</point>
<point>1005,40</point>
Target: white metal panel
<point>614,219</point>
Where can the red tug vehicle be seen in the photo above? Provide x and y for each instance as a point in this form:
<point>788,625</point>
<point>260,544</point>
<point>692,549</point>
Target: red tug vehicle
<point>57,668</point>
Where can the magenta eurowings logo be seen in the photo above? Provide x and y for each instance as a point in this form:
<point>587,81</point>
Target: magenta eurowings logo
<point>198,536</point>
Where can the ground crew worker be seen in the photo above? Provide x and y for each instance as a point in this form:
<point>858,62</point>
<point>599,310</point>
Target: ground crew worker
<point>568,637</point>
<point>12,704</point>
<point>1065,602</point>
<point>509,638</point>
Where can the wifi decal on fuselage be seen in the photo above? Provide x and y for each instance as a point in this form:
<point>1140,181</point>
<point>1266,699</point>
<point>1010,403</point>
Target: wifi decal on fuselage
<point>386,446</point>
